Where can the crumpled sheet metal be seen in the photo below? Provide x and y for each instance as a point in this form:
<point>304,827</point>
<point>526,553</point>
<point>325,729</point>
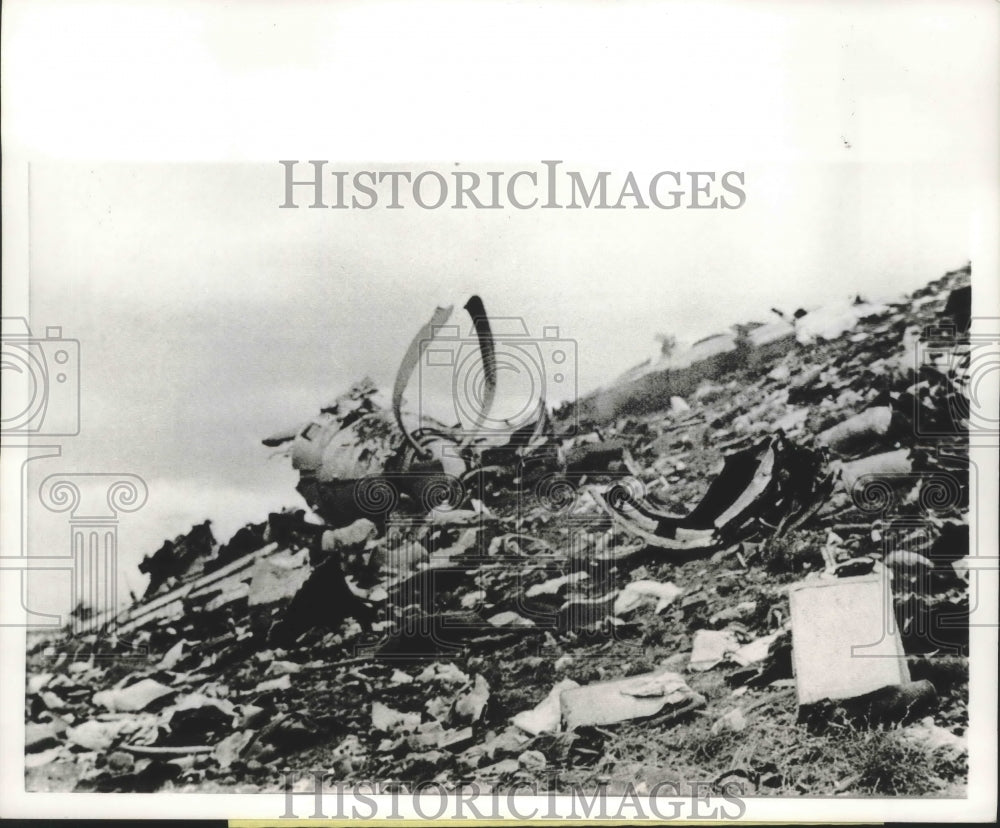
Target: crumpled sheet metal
<point>331,451</point>
<point>773,478</point>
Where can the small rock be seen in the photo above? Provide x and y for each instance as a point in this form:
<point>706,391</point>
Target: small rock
<point>120,761</point>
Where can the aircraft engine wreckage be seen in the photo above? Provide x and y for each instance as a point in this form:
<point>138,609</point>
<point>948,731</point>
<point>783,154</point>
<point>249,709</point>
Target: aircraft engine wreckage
<point>357,459</point>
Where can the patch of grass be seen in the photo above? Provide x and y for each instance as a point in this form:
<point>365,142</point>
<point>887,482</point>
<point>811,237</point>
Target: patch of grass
<point>794,553</point>
<point>891,764</point>
<point>774,756</point>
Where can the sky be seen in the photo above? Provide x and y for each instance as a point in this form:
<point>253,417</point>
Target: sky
<point>209,318</point>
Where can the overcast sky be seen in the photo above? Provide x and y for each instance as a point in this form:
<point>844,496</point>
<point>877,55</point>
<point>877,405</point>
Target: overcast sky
<point>208,318</point>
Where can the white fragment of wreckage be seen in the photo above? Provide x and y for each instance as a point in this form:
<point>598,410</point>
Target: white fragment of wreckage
<point>230,749</point>
<point>387,719</point>
<point>96,735</point>
<point>546,716</point>
<point>892,467</point>
<point>832,320</point>
<point>710,647</point>
<point>445,673</point>
<point>172,656</point>
<point>470,705</point>
<point>755,651</point>
<point>844,640</point>
<point>510,619</point>
<point>37,682</point>
<point>278,577</point>
<point>553,585</point>
<point>637,593</point>
<point>678,405</point>
<point>532,760</point>
<point>283,682</point>
<point>733,721</point>
<point>637,697</point>
<point>133,698</point>
<point>280,668</point>
<point>931,735</point>
<point>196,701</point>
<point>472,599</point>
<point>358,534</point>
<point>39,736</point>
<point>45,757</point>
